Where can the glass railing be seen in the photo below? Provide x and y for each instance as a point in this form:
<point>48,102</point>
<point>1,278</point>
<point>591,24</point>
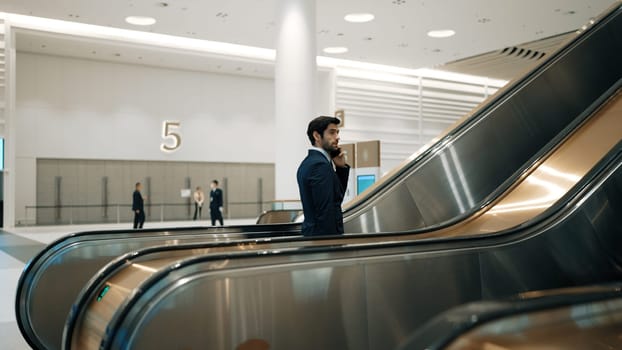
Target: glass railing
<point>75,214</point>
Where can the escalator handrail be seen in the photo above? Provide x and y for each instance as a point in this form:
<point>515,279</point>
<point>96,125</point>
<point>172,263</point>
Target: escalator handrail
<point>586,32</point>
<point>127,258</point>
<point>611,162</point>
<point>450,325</point>
<point>121,261</point>
<point>486,107</point>
<point>150,250</point>
<point>32,266</point>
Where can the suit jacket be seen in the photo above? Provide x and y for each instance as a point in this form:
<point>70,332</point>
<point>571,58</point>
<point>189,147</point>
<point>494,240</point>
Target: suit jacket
<point>137,201</point>
<point>215,199</point>
<point>321,190</point>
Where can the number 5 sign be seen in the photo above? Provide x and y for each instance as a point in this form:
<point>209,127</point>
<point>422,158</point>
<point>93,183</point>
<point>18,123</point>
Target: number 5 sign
<point>170,133</point>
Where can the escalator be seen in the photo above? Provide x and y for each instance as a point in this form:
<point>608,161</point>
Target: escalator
<point>574,318</point>
<point>559,226</point>
<point>42,301</point>
<point>417,197</point>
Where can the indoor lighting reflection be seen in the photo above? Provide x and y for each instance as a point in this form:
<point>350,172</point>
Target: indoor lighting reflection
<point>374,211</point>
<point>452,182</point>
<point>364,223</point>
<point>463,182</point>
<point>460,187</point>
<point>144,268</point>
<point>493,346</point>
<point>311,284</point>
<point>552,192</point>
<point>559,174</point>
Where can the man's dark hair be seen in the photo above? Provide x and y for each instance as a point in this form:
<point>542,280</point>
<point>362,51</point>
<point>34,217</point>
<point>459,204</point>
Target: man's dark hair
<point>320,124</point>
<point>137,184</point>
<point>215,182</point>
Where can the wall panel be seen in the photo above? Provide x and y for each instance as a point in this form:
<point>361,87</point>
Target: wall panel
<point>81,186</point>
<point>403,111</point>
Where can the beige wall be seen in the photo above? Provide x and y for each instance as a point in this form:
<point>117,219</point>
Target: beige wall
<point>82,184</point>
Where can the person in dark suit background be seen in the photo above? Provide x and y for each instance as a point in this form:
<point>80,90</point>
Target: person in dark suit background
<point>215,203</point>
<point>138,206</point>
<point>322,179</point>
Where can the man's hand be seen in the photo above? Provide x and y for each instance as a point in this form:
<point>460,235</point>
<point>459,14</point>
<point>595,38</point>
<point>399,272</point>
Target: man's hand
<point>220,208</point>
<point>340,160</point>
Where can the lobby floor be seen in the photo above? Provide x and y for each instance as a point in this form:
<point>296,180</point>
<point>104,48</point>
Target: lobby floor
<point>19,245</point>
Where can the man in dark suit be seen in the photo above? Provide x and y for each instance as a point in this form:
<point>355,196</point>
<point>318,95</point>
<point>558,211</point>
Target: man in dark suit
<point>138,207</point>
<point>215,203</point>
<point>322,179</point>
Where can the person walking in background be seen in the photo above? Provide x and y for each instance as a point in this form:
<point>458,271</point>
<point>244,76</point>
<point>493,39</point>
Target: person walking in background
<point>215,203</point>
<point>322,179</point>
<point>199,198</point>
<point>138,207</point>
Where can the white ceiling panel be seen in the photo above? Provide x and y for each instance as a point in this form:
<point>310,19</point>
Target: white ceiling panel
<point>397,36</point>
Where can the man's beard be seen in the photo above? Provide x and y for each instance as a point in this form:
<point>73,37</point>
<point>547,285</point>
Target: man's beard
<point>327,146</point>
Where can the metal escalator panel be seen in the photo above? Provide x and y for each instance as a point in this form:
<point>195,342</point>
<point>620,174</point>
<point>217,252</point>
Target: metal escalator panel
<point>466,168</point>
<point>45,291</point>
<point>547,183</point>
<point>561,171</point>
<point>279,216</point>
<point>587,317</point>
<point>355,297</point>
<point>584,326</point>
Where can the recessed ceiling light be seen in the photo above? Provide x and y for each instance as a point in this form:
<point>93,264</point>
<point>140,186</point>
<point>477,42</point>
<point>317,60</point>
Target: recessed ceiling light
<point>359,17</point>
<point>445,33</point>
<point>335,49</point>
<point>140,20</point>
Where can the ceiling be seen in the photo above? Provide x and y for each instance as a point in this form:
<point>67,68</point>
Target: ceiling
<point>33,41</point>
<point>508,62</point>
<point>396,37</point>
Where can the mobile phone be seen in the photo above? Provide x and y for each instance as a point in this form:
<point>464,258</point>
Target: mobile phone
<point>335,153</point>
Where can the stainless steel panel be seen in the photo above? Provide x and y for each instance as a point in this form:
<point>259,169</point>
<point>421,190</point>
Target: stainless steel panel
<point>587,253</point>
<point>560,171</point>
<point>391,212</point>
<point>328,295</point>
<point>596,325</point>
<point>586,317</point>
<point>523,245</point>
<point>43,303</point>
<point>409,286</point>
<point>465,171</point>
<point>293,300</point>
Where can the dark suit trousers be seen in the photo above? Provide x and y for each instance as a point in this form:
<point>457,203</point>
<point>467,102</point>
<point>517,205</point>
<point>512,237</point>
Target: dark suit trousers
<point>139,219</point>
<point>215,214</point>
<point>197,211</point>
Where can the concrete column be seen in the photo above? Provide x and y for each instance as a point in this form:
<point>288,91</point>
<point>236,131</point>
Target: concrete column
<point>295,86</point>
<point>10,173</point>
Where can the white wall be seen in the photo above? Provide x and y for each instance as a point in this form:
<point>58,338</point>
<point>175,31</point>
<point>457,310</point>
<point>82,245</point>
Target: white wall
<point>75,108</point>
<point>405,112</point>
<point>87,109</point>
